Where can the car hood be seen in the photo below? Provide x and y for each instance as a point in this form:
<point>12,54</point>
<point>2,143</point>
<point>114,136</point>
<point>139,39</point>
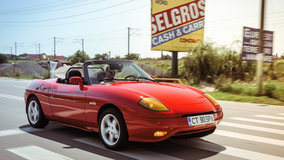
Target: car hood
<point>167,93</point>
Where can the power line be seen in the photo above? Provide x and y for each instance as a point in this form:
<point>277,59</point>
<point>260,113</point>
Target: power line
<point>40,6</point>
<point>55,9</point>
<point>75,15</point>
<point>95,18</point>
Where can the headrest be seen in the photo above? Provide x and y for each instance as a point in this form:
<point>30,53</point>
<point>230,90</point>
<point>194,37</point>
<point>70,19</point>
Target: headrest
<point>73,73</point>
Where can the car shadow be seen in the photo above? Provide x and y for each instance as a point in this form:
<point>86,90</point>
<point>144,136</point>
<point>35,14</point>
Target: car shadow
<point>194,148</point>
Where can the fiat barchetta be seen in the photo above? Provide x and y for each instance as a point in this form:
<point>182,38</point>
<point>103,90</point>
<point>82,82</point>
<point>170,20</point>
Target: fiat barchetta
<point>122,103</point>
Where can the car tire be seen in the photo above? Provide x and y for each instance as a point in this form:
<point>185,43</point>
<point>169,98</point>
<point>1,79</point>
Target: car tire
<point>35,114</point>
<point>112,129</point>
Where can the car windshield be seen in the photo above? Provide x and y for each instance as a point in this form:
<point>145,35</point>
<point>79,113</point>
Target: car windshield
<point>113,71</point>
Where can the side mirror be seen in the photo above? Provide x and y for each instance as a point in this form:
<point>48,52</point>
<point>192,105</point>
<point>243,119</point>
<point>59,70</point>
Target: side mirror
<point>76,80</point>
<point>152,76</point>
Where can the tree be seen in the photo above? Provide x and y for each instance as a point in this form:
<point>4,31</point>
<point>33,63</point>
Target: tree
<point>101,56</point>
<point>79,57</point>
<point>132,56</point>
<point>117,57</point>
<point>208,63</point>
<point>166,57</point>
<point>3,59</point>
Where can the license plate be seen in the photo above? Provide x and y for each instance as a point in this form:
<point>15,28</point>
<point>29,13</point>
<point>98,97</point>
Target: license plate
<point>201,119</point>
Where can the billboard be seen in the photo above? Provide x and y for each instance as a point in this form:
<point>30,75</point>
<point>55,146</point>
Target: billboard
<point>177,25</point>
<point>251,44</point>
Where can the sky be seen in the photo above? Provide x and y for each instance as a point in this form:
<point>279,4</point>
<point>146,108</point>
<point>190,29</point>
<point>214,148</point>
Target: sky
<point>103,24</point>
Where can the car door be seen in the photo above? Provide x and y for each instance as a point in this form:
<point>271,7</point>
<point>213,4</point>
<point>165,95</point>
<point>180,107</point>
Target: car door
<point>68,103</point>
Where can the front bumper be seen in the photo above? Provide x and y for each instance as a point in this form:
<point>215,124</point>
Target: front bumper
<point>143,129</point>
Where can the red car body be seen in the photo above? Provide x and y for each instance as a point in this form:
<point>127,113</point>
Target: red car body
<point>81,107</point>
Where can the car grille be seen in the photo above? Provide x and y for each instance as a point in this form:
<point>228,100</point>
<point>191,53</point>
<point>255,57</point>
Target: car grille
<point>195,114</point>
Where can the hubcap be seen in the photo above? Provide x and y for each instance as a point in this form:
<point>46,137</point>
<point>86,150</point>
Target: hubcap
<point>110,129</point>
<point>33,112</point>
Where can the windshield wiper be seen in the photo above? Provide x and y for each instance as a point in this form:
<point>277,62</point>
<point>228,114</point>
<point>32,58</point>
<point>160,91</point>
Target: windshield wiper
<point>148,79</point>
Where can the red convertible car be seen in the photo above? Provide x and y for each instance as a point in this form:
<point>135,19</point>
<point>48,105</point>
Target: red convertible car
<point>123,103</point>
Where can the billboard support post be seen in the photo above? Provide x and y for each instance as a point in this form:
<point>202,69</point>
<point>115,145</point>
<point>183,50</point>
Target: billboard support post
<point>174,64</point>
<point>259,69</point>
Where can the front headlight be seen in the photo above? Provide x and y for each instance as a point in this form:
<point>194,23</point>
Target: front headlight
<point>213,100</point>
<point>152,104</point>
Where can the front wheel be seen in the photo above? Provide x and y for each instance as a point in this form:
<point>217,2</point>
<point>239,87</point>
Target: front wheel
<point>112,129</point>
<point>35,114</point>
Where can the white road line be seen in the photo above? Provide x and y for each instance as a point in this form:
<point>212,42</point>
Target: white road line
<point>255,128</point>
<point>20,87</point>
<point>270,117</point>
<point>12,97</point>
<point>10,132</point>
<point>231,151</point>
<point>135,153</point>
<point>257,121</point>
<point>249,137</point>
<point>35,153</point>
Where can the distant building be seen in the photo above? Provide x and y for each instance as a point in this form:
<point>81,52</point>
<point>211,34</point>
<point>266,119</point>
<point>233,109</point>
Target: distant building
<point>41,57</point>
<point>60,58</point>
<point>34,56</point>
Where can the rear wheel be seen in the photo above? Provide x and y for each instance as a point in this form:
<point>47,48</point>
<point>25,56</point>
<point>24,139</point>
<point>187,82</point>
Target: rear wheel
<point>35,115</point>
<point>112,129</point>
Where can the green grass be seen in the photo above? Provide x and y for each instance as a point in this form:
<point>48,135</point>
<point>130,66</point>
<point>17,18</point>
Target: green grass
<point>271,88</point>
<point>245,98</point>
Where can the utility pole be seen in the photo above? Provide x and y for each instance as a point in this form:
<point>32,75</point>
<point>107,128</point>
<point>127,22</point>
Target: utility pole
<point>162,56</point>
<point>39,48</point>
<point>128,42</point>
<point>109,54</point>
<point>82,44</point>
<point>259,69</point>
<point>54,47</point>
<point>15,48</point>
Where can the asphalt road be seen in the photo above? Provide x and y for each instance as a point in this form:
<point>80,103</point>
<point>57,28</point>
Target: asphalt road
<point>248,131</point>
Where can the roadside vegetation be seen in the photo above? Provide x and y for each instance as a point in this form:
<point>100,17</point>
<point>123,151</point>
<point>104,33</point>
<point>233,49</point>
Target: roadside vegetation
<point>233,79</point>
<point>244,98</point>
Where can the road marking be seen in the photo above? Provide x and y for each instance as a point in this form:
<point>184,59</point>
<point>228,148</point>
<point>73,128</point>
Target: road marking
<point>35,153</point>
<point>257,121</point>
<point>255,128</point>
<point>136,153</point>
<point>270,117</point>
<point>231,151</point>
<point>20,87</point>
<point>12,97</point>
<point>249,137</point>
<point>10,132</point>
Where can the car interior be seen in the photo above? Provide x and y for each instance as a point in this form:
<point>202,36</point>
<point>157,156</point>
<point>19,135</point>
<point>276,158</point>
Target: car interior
<point>72,72</point>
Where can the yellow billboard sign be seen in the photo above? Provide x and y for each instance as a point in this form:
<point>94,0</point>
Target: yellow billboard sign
<point>177,25</point>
